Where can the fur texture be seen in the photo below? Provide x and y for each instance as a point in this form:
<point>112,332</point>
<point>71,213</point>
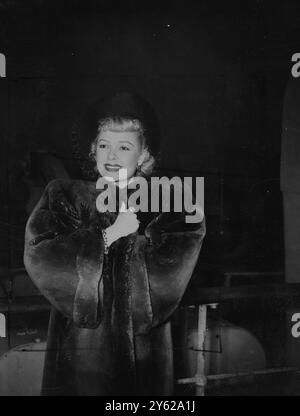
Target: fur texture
<point>109,331</point>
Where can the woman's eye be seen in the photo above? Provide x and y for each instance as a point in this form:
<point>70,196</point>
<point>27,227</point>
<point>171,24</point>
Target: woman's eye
<point>124,148</point>
<point>102,146</point>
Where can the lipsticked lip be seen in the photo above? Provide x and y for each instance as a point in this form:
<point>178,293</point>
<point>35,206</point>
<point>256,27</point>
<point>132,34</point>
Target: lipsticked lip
<point>108,166</point>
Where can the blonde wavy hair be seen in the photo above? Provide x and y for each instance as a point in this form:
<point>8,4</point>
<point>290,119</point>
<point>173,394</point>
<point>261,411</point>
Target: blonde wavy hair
<point>121,124</point>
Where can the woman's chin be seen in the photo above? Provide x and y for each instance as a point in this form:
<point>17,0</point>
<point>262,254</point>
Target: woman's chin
<point>110,177</point>
<point>114,176</point>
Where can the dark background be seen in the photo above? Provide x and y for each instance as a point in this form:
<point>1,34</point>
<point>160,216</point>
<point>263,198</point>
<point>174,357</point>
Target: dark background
<point>216,74</point>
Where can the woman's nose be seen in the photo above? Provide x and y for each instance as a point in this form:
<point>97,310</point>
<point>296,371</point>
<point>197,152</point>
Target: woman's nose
<point>112,154</point>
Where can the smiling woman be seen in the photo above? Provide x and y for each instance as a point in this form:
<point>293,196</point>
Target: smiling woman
<point>114,278</point>
<point>121,144</point>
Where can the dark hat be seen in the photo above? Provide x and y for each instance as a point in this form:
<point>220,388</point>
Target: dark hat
<point>119,105</point>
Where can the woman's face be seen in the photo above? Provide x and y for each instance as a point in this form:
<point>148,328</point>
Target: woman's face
<point>118,150</point>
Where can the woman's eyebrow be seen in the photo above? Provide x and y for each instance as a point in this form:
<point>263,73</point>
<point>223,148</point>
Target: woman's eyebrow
<point>125,141</point>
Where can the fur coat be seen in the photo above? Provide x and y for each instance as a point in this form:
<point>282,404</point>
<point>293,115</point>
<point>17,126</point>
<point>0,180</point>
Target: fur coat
<point>109,330</point>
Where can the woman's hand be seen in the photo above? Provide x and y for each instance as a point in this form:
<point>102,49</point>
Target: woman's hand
<point>125,224</point>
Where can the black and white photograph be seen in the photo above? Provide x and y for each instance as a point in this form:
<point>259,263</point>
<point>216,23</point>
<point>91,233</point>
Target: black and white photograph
<point>150,200</point>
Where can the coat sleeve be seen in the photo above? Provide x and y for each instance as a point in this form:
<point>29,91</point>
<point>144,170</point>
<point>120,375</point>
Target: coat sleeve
<point>170,255</point>
<point>64,257</point>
